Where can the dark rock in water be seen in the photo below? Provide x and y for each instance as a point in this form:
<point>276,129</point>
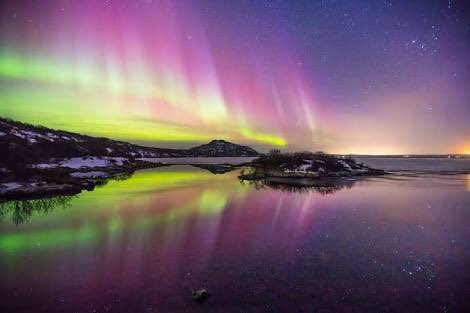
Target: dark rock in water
<point>201,295</point>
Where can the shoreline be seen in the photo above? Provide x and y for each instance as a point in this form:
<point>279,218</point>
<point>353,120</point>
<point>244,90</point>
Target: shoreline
<point>56,180</point>
<point>71,176</point>
<point>294,167</point>
<point>51,181</point>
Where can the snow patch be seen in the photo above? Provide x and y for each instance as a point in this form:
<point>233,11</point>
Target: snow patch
<point>346,165</point>
<point>18,134</point>
<point>31,136</point>
<point>84,162</point>
<point>30,133</point>
<point>93,174</point>
<point>10,186</point>
<point>51,135</point>
<point>77,163</point>
<point>302,168</point>
<point>44,165</point>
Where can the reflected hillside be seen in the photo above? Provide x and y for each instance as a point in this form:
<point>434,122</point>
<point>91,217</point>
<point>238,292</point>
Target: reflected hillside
<point>115,189</point>
<point>174,191</point>
<point>150,199</point>
<point>170,193</point>
<point>320,186</point>
<point>216,168</point>
<point>19,211</point>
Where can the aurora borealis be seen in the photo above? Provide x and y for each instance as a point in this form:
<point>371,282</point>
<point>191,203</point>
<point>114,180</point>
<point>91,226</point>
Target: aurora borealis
<point>372,77</point>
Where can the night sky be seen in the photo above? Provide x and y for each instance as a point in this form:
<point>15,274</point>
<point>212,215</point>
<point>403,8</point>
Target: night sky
<point>370,77</point>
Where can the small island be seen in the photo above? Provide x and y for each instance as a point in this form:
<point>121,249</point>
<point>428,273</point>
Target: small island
<point>305,168</point>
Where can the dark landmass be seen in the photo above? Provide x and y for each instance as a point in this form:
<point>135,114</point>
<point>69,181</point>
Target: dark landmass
<point>222,148</point>
<point>37,161</point>
<point>304,168</point>
<point>26,144</point>
<point>324,186</point>
<point>20,211</point>
<point>34,183</point>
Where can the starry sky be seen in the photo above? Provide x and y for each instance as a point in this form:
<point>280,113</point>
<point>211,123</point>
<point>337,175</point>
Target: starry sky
<point>368,77</point>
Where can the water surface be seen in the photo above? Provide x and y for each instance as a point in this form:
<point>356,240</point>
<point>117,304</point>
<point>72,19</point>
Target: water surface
<point>394,244</point>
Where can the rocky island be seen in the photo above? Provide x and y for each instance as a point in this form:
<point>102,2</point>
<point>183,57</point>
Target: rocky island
<point>305,168</point>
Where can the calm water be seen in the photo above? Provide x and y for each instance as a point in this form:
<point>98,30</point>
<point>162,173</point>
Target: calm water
<point>396,244</point>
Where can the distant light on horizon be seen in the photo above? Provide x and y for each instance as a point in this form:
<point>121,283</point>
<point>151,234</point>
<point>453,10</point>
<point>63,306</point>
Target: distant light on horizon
<point>464,149</point>
<point>380,150</point>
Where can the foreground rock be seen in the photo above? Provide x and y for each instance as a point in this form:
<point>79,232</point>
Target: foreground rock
<point>201,295</point>
<point>305,165</point>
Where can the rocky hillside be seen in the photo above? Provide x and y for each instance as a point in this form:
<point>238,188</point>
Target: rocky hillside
<point>222,148</point>
<point>22,143</point>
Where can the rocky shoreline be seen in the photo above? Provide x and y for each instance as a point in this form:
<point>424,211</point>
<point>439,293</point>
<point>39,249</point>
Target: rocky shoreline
<point>305,167</point>
<point>70,176</point>
<point>37,161</point>
<point>64,177</point>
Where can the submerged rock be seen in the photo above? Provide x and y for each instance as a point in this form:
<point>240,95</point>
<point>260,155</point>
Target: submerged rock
<point>201,295</point>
